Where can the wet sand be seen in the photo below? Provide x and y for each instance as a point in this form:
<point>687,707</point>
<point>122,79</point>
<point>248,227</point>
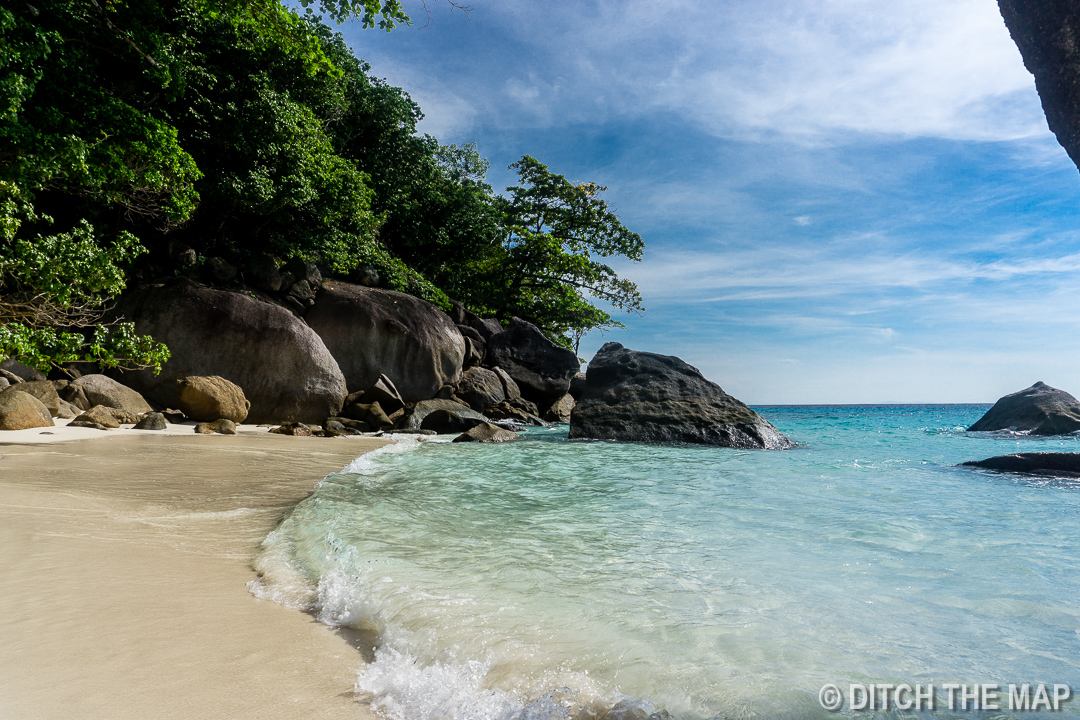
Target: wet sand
<point>124,563</point>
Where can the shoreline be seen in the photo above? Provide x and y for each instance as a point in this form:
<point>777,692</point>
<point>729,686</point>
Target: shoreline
<point>125,580</point>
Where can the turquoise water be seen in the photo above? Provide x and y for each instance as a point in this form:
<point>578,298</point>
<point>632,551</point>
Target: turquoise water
<point>548,578</point>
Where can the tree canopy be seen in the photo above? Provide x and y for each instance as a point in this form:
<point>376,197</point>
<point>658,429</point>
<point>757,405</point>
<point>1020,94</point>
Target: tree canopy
<point>238,128</point>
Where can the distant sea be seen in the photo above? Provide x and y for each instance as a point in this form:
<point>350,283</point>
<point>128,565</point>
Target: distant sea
<point>547,578</point>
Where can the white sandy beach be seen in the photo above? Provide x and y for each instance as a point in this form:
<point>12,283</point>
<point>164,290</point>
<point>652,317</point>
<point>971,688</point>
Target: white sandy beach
<point>124,562</point>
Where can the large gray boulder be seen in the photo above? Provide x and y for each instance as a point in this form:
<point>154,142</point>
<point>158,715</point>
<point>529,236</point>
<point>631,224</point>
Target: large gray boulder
<point>89,390</point>
<point>374,332</point>
<point>282,366</point>
<point>21,411</point>
<point>645,397</point>
<point>540,368</point>
<point>1047,32</point>
<point>1037,410</point>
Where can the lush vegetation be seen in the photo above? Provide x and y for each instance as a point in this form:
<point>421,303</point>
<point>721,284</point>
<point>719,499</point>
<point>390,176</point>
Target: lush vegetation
<point>237,128</point>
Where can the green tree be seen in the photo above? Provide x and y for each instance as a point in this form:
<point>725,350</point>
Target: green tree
<point>549,265</point>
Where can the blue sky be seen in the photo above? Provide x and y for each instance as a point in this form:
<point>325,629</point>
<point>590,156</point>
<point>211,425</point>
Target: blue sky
<point>841,200</point>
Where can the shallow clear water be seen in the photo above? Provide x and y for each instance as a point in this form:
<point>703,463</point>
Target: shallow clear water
<point>547,578</point>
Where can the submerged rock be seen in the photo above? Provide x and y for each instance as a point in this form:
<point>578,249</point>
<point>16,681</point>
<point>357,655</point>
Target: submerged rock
<point>1038,410</point>
<point>1036,463</point>
<point>645,397</point>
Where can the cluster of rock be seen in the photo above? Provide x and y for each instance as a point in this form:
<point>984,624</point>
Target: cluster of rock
<point>1037,410</point>
<point>326,357</point>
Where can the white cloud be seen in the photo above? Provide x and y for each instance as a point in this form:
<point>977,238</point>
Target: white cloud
<point>809,69</point>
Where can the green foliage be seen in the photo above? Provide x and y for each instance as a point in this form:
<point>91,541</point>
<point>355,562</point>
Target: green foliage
<point>54,286</point>
<point>546,267</point>
<point>240,127</point>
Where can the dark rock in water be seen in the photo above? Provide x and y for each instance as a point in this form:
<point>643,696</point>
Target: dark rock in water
<point>89,390</point>
<point>486,433</point>
<point>446,422</point>
<point>293,428</point>
<point>20,411</point>
<point>560,410</point>
<point>577,386</point>
<point>44,391</point>
<point>152,421</point>
<point>1038,410</point>
<point>281,365</point>
<point>1036,463</point>
<point>480,388</point>
<point>645,397</point>
<point>374,332</point>
<point>414,418</point>
<point>208,398</point>
<point>540,368</point>
<point>1047,32</point>
<point>23,372</point>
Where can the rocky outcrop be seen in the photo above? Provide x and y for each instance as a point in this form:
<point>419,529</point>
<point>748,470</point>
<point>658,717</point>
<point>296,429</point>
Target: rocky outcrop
<point>540,368</point>
<point>20,411</point>
<point>372,332</point>
<point>1047,32</point>
<point>280,363</point>
<point>209,398</point>
<point>89,390</point>
<point>1036,463</point>
<point>1037,410</point>
<point>645,397</point>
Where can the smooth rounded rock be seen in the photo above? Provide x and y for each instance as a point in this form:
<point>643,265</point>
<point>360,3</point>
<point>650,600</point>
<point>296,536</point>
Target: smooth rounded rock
<point>1038,410</point>
<point>645,397</point>
<point>20,411</point>
<point>209,398</point>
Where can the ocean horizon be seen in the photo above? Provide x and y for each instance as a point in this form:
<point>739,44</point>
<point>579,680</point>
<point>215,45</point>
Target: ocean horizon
<point>548,578</point>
